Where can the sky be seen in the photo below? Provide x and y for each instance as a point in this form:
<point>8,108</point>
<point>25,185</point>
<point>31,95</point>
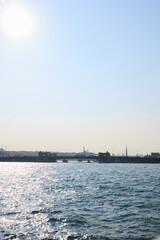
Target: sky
<point>88,75</point>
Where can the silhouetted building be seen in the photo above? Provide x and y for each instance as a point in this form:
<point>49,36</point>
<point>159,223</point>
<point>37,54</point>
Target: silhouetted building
<point>155,155</point>
<point>3,153</point>
<point>46,154</point>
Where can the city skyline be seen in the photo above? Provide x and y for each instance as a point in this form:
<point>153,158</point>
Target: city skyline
<point>7,152</point>
<point>86,73</point>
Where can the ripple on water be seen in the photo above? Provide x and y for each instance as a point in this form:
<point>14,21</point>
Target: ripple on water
<point>79,201</point>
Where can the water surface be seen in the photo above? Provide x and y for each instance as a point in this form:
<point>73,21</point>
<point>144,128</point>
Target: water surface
<point>79,201</point>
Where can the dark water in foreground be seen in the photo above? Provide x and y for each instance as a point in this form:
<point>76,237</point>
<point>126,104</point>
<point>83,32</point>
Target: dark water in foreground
<point>79,201</point>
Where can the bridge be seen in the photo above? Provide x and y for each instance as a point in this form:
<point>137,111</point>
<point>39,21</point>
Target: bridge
<point>76,157</point>
<point>46,157</point>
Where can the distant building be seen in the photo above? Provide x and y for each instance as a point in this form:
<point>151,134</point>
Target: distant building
<point>104,155</point>
<point>46,154</point>
<point>3,153</point>
<point>155,154</point>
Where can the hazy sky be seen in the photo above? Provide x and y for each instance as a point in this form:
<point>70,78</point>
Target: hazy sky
<point>88,75</point>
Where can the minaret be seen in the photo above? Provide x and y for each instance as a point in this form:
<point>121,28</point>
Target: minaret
<point>126,152</point>
<point>84,151</point>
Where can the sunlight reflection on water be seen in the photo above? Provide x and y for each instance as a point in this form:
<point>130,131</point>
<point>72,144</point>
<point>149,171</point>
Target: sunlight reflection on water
<point>79,201</point>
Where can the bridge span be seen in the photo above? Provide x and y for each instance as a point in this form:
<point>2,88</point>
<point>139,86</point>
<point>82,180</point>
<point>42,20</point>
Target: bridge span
<point>45,157</point>
<point>49,159</point>
<point>76,157</point>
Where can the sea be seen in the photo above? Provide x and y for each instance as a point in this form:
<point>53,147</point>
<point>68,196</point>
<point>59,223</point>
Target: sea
<point>79,201</point>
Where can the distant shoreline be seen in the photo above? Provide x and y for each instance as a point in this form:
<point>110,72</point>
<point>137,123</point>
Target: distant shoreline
<point>111,159</point>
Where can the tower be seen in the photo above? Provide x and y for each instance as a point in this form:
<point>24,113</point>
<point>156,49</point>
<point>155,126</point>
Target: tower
<point>126,152</point>
<point>84,151</point>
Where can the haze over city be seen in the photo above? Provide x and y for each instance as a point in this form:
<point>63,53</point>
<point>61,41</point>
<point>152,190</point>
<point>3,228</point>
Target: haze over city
<point>80,73</point>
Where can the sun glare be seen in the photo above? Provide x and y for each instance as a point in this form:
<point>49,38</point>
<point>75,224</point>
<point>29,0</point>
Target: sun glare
<point>17,22</point>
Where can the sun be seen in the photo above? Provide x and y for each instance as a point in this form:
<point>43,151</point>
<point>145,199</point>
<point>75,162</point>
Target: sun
<point>17,22</point>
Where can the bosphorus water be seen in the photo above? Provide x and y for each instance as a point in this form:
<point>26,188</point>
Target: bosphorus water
<point>79,201</point>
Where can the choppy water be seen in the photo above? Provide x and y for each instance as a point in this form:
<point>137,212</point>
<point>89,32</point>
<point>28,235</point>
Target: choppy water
<point>79,201</point>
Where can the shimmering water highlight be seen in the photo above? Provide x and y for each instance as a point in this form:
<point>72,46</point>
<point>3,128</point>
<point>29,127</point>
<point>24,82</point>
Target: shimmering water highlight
<point>79,201</point>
